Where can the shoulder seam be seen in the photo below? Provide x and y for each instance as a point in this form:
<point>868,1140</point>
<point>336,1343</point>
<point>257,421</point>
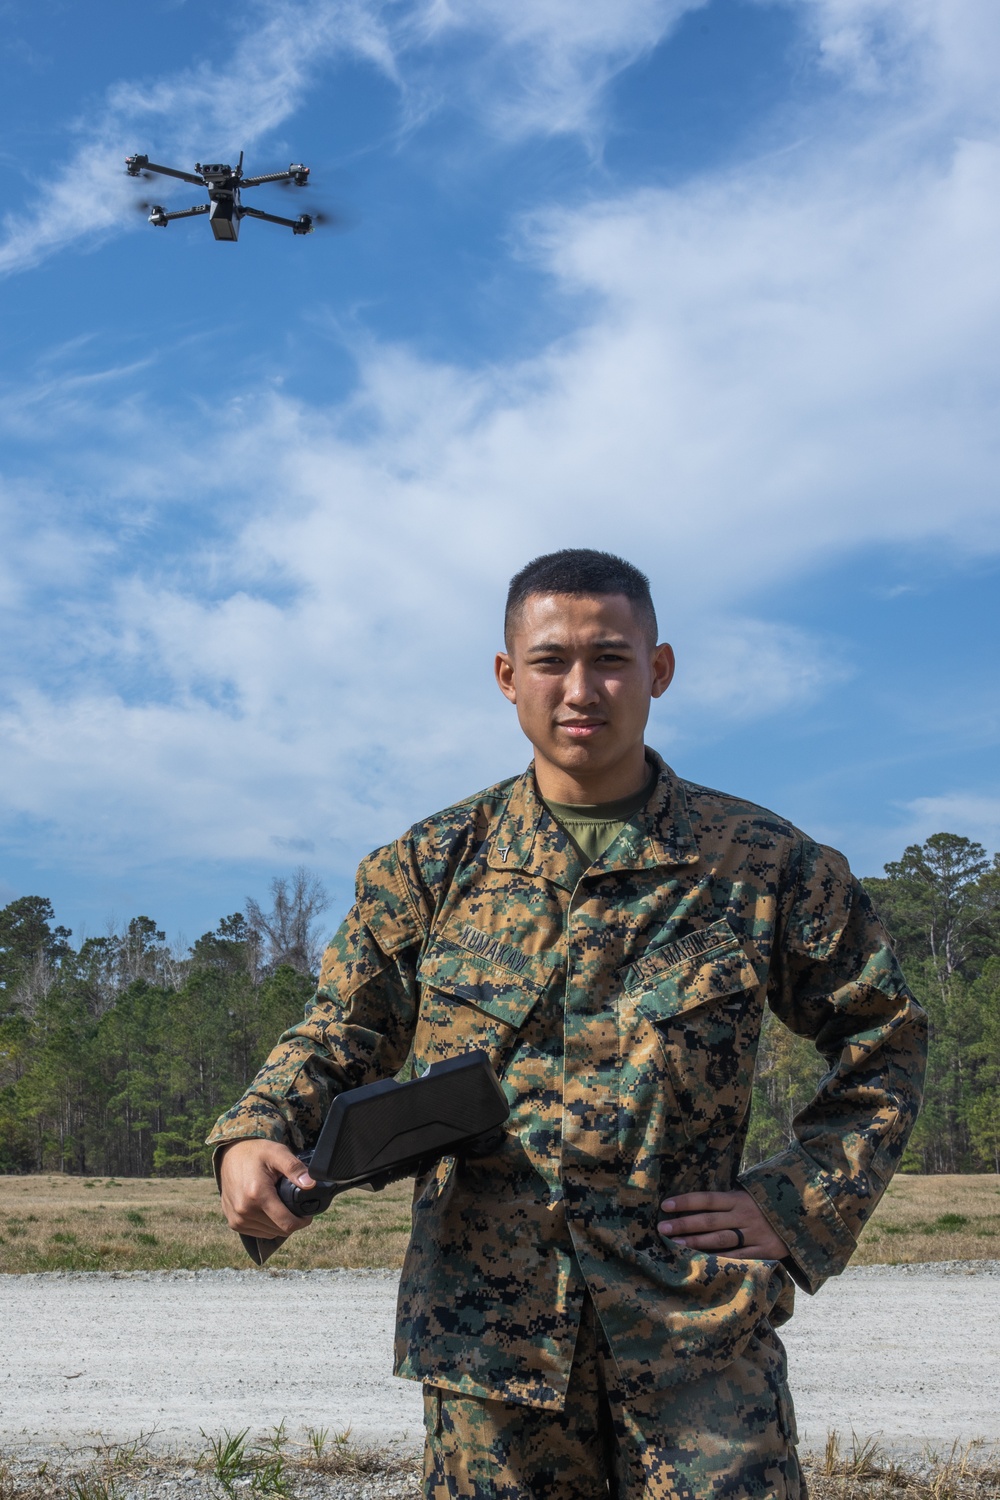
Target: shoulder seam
<point>404,887</point>
<point>747,808</point>
<point>499,792</point>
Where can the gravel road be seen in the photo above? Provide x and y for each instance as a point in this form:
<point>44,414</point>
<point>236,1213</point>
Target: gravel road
<point>908,1352</point>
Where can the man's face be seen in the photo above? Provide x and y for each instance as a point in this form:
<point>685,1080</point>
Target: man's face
<point>581,671</point>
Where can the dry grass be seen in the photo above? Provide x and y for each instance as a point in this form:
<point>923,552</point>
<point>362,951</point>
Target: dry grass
<point>864,1472</point>
<point>316,1467</point>
<point>53,1223</point>
<point>321,1467</point>
<point>934,1218</point>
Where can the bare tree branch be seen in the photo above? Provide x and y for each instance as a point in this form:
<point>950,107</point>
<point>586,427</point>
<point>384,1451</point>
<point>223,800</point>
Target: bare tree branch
<point>287,931</point>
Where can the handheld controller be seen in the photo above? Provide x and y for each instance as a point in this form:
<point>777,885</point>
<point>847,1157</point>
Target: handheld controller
<point>385,1131</point>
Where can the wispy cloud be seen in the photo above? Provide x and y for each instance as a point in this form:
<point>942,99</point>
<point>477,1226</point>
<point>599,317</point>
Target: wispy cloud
<point>543,65</point>
<point>743,669</point>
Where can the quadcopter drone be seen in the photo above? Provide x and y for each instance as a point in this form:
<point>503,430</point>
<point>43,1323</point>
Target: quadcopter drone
<point>224,184</point>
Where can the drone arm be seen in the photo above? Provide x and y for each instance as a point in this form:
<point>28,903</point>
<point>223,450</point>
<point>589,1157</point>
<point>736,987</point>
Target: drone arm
<point>266,177</point>
<point>160,216</point>
<point>136,164</point>
<point>295,173</point>
<point>301,225</point>
<point>173,172</point>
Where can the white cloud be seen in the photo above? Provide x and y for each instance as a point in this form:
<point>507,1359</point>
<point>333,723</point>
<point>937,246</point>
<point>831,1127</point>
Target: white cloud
<point>544,64</point>
<point>943,51</point>
<point>744,669</point>
<point>814,349</point>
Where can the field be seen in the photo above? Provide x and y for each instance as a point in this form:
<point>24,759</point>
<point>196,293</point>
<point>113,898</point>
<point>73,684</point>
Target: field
<point>55,1223</point>
<point>934,1218</point>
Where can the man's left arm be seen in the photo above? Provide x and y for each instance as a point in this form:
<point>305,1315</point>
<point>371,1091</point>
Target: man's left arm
<point>834,978</point>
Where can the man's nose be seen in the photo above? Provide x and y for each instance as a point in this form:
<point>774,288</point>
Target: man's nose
<point>581,687</point>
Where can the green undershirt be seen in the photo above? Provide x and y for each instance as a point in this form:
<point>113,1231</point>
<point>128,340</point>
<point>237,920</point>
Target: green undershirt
<point>593,827</point>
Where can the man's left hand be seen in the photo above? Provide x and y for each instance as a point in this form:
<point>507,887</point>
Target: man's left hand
<point>726,1224</point>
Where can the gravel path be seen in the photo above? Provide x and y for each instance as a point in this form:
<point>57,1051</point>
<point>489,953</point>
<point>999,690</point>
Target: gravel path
<point>910,1352</point>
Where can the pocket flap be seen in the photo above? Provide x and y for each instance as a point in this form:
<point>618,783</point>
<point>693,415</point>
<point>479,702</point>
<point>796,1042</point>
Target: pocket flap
<point>671,980</point>
<point>506,996</point>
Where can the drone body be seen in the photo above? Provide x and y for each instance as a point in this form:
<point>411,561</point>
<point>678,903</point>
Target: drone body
<point>224,184</point>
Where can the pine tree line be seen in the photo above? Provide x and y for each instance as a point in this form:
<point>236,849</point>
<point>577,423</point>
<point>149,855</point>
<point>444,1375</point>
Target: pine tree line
<point>116,1057</point>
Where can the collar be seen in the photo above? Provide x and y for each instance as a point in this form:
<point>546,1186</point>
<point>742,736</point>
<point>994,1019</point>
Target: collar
<point>525,836</point>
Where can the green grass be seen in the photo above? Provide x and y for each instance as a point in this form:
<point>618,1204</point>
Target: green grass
<point>950,1221</point>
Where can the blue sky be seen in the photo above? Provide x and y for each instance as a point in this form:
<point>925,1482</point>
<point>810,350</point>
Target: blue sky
<point>714,285</point>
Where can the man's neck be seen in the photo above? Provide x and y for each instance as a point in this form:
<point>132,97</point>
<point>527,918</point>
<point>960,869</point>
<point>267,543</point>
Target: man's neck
<point>611,784</point>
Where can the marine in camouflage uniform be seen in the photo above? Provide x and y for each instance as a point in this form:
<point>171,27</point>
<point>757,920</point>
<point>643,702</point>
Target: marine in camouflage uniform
<point>621,1005</point>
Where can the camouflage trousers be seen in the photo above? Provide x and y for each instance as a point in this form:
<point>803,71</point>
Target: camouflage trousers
<point>727,1436</point>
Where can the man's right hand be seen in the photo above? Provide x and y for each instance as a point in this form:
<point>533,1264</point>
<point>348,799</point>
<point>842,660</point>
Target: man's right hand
<point>248,1172</point>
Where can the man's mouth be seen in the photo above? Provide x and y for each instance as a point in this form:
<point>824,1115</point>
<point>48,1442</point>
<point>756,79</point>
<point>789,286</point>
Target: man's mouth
<point>581,729</point>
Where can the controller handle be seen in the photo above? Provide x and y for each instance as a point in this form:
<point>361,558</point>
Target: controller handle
<point>304,1202</point>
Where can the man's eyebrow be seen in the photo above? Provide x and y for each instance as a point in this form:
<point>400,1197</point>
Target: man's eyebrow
<point>616,643</point>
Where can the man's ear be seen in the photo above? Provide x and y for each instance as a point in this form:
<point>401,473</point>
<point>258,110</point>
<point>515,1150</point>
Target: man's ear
<point>503,669</point>
<point>663,669</point>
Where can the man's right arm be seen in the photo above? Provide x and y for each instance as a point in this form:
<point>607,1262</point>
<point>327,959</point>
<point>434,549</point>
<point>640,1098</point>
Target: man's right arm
<point>357,1030</point>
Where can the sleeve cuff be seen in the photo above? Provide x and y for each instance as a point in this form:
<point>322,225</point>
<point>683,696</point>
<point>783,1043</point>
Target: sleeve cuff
<point>241,1124</point>
<point>789,1193</point>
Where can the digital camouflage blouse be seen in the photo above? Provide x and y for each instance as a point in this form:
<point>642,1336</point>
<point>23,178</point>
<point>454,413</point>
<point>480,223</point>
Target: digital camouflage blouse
<point>621,1004</point>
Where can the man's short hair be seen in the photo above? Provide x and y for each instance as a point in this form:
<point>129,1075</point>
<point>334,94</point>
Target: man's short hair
<point>580,571</point>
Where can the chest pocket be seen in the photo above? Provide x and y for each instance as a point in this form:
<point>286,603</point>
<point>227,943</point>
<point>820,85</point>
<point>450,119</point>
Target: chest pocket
<point>706,1017</point>
<point>467,1002</point>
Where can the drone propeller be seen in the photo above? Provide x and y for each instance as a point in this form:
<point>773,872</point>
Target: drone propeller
<point>322,218</point>
<point>327,218</point>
